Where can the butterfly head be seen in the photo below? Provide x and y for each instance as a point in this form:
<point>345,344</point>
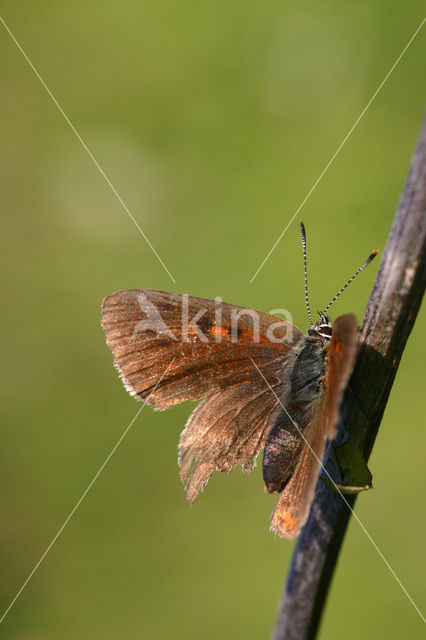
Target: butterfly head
<point>322,328</point>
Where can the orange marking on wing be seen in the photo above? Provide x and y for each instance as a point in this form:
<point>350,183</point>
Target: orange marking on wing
<point>284,523</point>
<point>218,331</point>
<point>248,337</point>
<point>337,348</point>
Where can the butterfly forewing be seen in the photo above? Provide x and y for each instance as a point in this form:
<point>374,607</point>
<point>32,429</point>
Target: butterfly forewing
<point>212,344</point>
<point>292,508</point>
<point>341,360</point>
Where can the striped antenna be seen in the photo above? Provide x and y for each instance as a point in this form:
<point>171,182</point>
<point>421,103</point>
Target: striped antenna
<point>303,234</point>
<point>366,263</point>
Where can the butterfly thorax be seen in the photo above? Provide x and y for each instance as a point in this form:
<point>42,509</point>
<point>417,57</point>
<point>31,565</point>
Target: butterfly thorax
<point>308,372</point>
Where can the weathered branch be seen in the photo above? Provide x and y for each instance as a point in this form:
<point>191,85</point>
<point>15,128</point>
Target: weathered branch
<point>389,318</point>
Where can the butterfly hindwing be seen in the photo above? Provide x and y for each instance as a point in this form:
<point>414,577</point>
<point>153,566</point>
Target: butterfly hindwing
<point>226,430</point>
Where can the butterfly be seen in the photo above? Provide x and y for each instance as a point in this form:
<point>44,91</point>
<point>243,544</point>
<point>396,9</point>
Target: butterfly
<point>263,384</point>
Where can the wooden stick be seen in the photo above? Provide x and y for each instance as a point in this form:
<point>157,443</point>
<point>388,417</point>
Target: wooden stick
<point>389,318</point>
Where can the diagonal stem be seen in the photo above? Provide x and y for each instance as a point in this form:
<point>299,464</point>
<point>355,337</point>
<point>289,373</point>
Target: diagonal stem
<point>391,311</point>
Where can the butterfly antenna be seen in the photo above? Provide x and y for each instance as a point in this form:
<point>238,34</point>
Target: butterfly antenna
<point>366,263</point>
<point>303,234</point>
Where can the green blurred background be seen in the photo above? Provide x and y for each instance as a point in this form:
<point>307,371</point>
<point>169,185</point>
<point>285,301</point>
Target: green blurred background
<point>213,121</point>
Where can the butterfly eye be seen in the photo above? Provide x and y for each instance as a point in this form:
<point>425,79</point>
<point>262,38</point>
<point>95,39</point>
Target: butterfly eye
<point>322,328</point>
<point>325,331</point>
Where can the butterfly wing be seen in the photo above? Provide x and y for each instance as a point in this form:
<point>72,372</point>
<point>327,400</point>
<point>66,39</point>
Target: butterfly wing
<point>292,509</point>
<point>341,360</point>
<point>294,502</point>
<point>225,431</point>
<point>212,343</point>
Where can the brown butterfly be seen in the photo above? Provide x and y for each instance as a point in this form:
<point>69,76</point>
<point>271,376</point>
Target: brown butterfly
<point>265,385</point>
